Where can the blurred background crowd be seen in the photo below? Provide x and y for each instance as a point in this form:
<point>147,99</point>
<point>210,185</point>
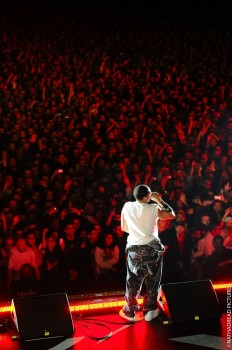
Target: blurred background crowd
<point>94,101</point>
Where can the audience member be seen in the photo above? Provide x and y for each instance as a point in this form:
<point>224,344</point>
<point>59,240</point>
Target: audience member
<point>218,265</point>
<point>86,119</point>
<point>51,266</point>
<point>31,242</point>
<point>21,254</point>
<point>27,285</point>
<point>106,258</point>
<point>226,232</point>
<point>177,256</point>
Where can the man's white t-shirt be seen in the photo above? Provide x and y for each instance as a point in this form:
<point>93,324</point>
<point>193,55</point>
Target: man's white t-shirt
<point>140,221</point>
<point>18,259</point>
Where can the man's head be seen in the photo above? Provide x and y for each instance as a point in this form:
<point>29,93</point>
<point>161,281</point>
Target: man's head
<point>217,206</point>
<point>70,231</point>
<point>118,231</point>
<point>21,245</point>
<point>205,220</point>
<point>180,227</point>
<point>93,236</point>
<point>141,192</point>
<point>27,271</point>
<point>218,241</point>
<point>180,215</point>
<point>31,239</point>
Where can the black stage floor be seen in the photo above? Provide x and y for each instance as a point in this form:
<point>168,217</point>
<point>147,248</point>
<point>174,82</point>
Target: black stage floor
<point>208,334</point>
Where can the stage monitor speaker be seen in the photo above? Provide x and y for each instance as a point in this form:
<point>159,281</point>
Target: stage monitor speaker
<point>43,316</point>
<point>186,301</point>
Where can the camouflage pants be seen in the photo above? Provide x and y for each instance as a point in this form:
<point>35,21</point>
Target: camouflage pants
<point>144,264</point>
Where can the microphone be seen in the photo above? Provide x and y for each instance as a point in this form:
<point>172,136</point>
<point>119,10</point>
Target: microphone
<point>162,192</point>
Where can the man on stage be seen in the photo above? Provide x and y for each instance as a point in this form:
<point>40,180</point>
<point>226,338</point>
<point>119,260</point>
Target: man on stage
<point>144,250</point>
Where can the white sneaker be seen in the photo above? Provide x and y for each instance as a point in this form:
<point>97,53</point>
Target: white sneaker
<point>151,314</point>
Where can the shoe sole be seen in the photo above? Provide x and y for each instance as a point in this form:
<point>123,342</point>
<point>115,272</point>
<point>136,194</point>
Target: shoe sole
<point>128,318</point>
<point>138,316</point>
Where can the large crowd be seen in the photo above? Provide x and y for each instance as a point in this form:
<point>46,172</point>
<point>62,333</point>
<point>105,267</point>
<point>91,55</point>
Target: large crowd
<point>91,107</point>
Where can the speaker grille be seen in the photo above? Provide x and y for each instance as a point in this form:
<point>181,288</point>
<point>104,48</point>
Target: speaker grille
<point>42,316</point>
<point>194,300</point>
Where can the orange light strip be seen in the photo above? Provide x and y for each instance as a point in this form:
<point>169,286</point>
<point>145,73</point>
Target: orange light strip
<point>222,285</point>
<point>86,306</point>
<point>100,305</point>
<point>6,309</point>
<point>103,305</point>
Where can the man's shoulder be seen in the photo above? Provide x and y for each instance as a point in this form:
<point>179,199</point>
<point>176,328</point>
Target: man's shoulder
<point>13,249</point>
<point>30,250</point>
<point>129,204</point>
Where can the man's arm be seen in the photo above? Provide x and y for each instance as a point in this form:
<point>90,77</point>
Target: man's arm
<point>165,212</point>
<point>123,223</point>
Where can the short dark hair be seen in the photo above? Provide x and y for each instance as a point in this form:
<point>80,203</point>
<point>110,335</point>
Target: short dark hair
<point>218,241</point>
<point>180,223</point>
<point>141,191</point>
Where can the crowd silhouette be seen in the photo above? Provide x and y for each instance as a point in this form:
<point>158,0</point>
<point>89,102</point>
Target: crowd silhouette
<point>94,103</point>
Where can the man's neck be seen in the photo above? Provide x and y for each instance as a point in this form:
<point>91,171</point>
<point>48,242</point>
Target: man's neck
<point>143,201</point>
